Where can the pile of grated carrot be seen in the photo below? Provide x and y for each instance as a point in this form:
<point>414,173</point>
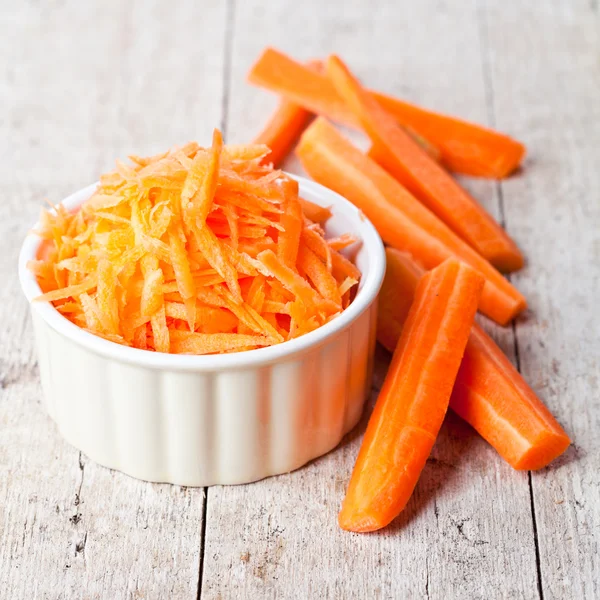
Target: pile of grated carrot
<point>195,251</point>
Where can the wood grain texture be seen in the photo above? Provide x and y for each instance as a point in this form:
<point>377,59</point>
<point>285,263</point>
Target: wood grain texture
<point>468,531</point>
<point>552,78</point>
<point>82,84</point>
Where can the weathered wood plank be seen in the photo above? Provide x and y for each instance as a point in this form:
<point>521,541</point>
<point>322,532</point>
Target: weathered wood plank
<point>468,530</point>
<point>82,84</point>
<point>547,90</point>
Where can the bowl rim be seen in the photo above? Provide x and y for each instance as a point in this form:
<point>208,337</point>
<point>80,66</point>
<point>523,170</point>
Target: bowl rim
<point>367,293</point>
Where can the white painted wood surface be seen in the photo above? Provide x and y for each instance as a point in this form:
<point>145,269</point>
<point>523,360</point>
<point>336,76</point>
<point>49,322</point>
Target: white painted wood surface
<point>552,99</point>
<point>83,83</point>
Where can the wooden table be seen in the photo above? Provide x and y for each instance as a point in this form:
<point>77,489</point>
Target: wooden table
<point>82,83</point>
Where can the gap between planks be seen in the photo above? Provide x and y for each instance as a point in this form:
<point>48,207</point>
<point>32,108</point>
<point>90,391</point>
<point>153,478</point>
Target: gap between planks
<point>227,51</point>
<point>488,84</point>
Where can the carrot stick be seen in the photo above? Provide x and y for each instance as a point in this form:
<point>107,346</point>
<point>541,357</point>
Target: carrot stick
<point>402,221</point>
<point>201,183</point>
<point>405,160</point>
<point>465,217</point>
<point>414,398</point>
<point>284,126</point>
<point>396,295</point>
<point>465,147</point>
<point>281,131</point>
<point>289,120</point>
<point>424,143</point>
<point>489,393</point>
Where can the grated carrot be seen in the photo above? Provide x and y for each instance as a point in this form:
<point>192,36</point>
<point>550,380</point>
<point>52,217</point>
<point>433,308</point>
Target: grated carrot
<point>319,275</point>
<point>314,212</point>
<point>196,251</point>
<point>186,342</point>
<point>291,220</point>
<point>341,242</point>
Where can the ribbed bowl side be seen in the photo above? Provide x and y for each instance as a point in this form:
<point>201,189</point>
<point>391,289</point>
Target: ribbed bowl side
<point>206,428</point>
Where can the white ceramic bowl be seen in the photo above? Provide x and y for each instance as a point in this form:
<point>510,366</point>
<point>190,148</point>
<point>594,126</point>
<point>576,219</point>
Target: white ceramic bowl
<point>218,419</point>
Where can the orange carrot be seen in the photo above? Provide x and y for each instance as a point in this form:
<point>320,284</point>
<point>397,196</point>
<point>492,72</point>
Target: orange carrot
<point>186,342</point>
<point>424,143</point>
<point>292,222</point>
<point>402,221</point>
<point>318,274</point>
<point>453,205</point>
<point>414,398</point>
<point>289,120</point>
<point>489,393</point>
<point>405,160</point>
<point>396,296</point>
<point>282,130</point>
<point>201,182</point>
<point>465,147</point>
<point>314,212</point>
<point>285,126</point>
<point>342,241</point>
<point>290,279</point>
<point>313,241</point>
